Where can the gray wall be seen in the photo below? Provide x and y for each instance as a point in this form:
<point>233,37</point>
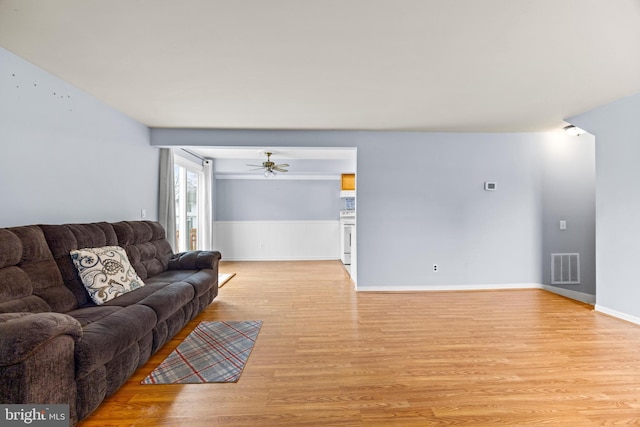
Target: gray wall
<point>65,156</point>
<point>616,127</point>
<point>421,201</point>
<point>428,206</point>
<point>277,200</point>
<point>568,193</point>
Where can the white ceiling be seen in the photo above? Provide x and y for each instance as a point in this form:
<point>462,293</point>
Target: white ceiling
<point>304,163</point>
<point>433,65</point>
<point>278,154</point>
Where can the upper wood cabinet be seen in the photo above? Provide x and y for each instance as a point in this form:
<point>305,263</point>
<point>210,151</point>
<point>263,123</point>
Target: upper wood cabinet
<point>348,181</point>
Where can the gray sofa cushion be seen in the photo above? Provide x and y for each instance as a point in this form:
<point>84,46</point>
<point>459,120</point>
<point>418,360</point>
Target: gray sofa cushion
<point>88,315</point>
<point>144,241</point>
<point>29,277</point>
<point>200,279</point>
<point>62,239</point>
<point>164,298</point>
<point>104,339</point>
<point>147,249</point>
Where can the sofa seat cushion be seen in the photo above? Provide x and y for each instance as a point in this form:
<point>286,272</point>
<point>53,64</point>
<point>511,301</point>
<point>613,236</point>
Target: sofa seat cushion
<point>92,314</point>
<point>201,280</point>
<point>164,298</point>
<point>105,338</point>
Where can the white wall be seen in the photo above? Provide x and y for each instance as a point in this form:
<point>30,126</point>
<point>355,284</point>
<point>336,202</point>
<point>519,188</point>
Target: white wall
<point>616,127</point>
<point>278,240</point>
<point>67,157</point>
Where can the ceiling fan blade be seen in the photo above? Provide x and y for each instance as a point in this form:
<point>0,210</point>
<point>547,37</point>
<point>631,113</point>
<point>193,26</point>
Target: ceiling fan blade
<point>270,166</point>
<point>256,169</point>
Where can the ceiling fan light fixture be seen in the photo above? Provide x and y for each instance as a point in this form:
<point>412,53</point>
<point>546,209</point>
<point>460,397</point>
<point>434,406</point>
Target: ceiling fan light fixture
<point>270,167</point>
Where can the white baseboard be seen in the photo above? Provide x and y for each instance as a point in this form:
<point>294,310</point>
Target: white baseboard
<point>578,296</point>
<point>618,314</point>
<point>278,240</point>
<point>280,258</point>
<point>467,287</point>
<point>575,295</point>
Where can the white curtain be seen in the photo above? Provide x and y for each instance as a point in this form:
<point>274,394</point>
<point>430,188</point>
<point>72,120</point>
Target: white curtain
<point>167,196</point>
<point>207,221</point>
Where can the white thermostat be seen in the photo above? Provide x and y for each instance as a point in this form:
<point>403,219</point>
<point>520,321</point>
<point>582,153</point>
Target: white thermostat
<point>489,186</point>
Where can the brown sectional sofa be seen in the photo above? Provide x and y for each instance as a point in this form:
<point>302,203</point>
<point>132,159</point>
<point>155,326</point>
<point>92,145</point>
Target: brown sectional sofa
<point>56,344</point>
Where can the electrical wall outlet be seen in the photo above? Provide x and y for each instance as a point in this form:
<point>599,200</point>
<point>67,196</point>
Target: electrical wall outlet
<point>435,268</point>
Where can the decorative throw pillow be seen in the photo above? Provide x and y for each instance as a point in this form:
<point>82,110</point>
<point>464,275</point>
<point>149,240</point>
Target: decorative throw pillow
<point>105,272</point>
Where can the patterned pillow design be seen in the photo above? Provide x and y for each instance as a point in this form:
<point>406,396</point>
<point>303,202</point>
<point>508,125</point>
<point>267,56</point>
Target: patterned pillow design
<point>105,272</point>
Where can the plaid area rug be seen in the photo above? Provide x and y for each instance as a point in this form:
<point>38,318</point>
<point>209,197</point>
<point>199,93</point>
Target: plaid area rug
<point>214,352</point>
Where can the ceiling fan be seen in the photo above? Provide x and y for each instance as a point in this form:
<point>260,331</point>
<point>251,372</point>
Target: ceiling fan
<point>270,168</point>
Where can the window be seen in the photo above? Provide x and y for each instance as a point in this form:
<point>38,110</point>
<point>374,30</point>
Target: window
<point>189,179</point>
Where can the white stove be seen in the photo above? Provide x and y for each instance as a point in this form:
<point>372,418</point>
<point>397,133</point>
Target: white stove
<point>347,234</point>
<point>348,213</point>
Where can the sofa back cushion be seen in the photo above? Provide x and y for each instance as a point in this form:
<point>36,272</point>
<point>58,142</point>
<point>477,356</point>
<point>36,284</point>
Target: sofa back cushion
<point>144,241</point>
<point>29,277</point>
<point>62,239</point>
<point>147,248</point>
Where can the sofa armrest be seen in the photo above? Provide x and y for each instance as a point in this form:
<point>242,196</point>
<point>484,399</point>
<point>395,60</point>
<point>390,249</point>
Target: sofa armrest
<point>37,363</point>
<point>195,260</point>
<point>22,333</point>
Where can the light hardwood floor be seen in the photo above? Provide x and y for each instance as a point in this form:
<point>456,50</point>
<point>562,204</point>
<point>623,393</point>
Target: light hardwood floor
<point>327,356</point>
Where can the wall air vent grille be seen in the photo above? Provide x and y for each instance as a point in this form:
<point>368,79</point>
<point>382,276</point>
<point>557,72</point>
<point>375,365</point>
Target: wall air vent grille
<point>565,269</point>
